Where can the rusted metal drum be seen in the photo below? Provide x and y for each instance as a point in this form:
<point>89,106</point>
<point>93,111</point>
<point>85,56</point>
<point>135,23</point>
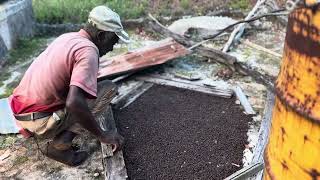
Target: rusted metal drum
<point>293,151</point>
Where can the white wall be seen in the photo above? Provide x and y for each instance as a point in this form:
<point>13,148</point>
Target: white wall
<point>16,21</point>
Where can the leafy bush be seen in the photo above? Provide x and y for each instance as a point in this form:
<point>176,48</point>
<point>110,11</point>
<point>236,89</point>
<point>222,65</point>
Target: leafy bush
<point>74,11</point>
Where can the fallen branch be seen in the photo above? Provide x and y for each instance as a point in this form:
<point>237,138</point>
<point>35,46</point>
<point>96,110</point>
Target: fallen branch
<point>237,32</point>
<point>212,35</point>
<point>216,55</point>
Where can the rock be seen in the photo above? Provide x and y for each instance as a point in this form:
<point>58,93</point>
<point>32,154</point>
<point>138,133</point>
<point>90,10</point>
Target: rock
<point>201,22</point>
<point>96,174</point>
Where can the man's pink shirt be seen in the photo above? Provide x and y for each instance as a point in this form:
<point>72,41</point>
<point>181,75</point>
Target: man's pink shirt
<point>70,60</point>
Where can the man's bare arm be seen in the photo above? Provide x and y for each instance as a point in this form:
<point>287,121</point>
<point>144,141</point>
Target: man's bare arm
<point>77,105</point>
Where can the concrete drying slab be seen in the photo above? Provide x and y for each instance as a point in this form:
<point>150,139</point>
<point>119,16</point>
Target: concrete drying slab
<point>181,134</point>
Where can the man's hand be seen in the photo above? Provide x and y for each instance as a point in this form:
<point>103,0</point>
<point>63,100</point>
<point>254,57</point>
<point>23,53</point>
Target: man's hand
<point>113,138</point>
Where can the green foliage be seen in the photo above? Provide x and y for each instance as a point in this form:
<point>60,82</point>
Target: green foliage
<point>7,141</point>
<point>25,49</point>
<point>185,4</point>
<point>240,4</point>
<point>20,160</point>
<point>6,94</point>
<point>4,76</point>
<point>73,11</point>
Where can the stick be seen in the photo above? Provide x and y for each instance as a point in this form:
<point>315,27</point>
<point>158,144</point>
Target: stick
<point>243,100</point>
<point>214,35</point>
<point>236,33</point>
<point>260,48</point>
<point>218,56</point>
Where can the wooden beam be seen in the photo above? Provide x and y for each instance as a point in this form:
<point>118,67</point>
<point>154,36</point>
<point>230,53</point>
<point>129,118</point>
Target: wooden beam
<point>246,172</point>
<point>243,100</point>
<point>260,48</point>
<point>123,100</point>
<point>114,166</point>
<point>201,83</point>
<point>264,132</point>
<point>156,54</point>
<point>180,84</point>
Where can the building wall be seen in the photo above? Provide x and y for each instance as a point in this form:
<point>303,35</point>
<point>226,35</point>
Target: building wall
<point>16,21</point>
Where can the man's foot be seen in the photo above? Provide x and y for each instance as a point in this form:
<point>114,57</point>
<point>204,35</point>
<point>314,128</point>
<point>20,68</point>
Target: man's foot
<point>69,157</point>
<point>63,141</point>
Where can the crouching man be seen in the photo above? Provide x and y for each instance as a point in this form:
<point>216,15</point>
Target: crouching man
<point>51,100</point>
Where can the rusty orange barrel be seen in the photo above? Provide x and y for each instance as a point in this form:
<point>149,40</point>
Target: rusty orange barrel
<point>293,150</point>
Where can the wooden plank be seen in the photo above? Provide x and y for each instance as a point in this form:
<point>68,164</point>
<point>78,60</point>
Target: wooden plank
<point>121,78</point>
<point>156,54</point>
<point>131,95</point>
<point>260,48</point>
<point>246,172</point>
<point>264,132</point>
<point>207,83</point>
<point>114,166</point>
<point>243,100</point>
<point>180,84</point>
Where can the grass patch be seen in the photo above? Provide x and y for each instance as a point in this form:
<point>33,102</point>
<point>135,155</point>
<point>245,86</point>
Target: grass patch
<point>7,141</point>
<point>73,11</point>
<point>4,76</point>
<point>24,51</point>
<point>20,160</point>
<point>240,4</point>
<point>7,93</point>
<point>26,48</point>
<point>185,4</point>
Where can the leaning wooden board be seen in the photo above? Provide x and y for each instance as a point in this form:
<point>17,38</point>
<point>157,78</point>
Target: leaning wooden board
<point>114,166</point>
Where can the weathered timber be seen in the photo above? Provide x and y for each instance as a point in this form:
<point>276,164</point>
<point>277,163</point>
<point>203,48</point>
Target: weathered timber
<point>212,91</point>
<point>260,48</point>
<point>123,100</point>
<point>246,172</point>
<point>263,132</point>
<point>238,31</point>
<point>156,54</point>
<point>215,55</point>
<point>243,100</point>
<point>201,83</point>
<point>121,78</point>
<point>114,166</point>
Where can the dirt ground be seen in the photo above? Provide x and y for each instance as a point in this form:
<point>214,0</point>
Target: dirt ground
<point>20,159</point>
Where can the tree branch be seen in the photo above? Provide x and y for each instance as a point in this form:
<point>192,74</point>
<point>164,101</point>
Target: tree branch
<point>214,54</point>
